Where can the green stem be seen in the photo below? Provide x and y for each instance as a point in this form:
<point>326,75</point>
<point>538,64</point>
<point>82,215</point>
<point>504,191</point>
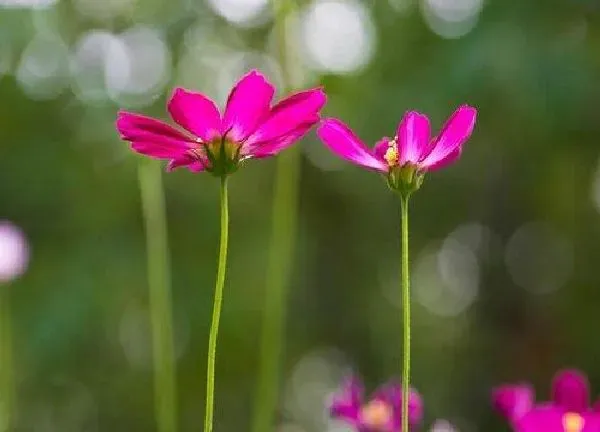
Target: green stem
<point>283,236</point>
<point>218,301</point>
<point>405,315</point>
<point>159,282</point>
<point>280,263</point>
<point>8,395</point>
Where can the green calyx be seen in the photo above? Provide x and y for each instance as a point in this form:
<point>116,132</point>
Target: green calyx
<point>224,157</point>
<point>405,180</point>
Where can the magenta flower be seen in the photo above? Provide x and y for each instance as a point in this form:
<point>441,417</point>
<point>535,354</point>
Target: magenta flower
<point>411,153</point>
<point>14,252</point>
<point>382,413</point>
<point>249,128</point>
<point>569,410</point>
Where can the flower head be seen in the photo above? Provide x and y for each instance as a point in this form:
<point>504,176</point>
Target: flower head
<point>249,127</point>
<point>382,413</point>
<point>14,252</point>
<point>411,153</point>
<point>568,411</point>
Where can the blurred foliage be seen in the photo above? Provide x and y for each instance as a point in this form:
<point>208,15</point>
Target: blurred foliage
<point>81,345</point>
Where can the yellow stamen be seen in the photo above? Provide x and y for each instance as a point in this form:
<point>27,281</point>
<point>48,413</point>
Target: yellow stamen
<point>573,422</point>
<point>376,415</point>
<point>391,154</point>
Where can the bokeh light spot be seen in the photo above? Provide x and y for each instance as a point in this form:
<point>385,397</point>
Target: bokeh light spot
<point>446,280</point>
<point>539,258</point>
<point>315,378</point>
<point>242,12</point>
<point>443,426</point>
<point>89,64</point>
<point>451,19</point>
<point>140,79</point>
<point>477,237</point>
<point>337,35</point>
<point>43,70</point>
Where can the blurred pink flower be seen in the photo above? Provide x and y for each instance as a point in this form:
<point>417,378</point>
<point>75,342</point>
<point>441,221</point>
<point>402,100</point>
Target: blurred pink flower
<point>568,411</point>
<point>381,413</point>
<point>249,128</point>
<point>412,152</point>
<point>14,252</point>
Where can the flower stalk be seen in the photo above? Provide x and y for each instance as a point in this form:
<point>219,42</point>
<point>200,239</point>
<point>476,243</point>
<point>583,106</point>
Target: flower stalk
<point>218,301</point>
<point>405,276</point>
<point>281,251</point>
<point>159,277</point>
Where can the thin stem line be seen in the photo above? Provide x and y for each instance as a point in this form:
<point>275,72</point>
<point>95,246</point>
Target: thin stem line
<point>405,315</point>
<point>281,248</point>
<point>218,301</point>
<point>159,284</point>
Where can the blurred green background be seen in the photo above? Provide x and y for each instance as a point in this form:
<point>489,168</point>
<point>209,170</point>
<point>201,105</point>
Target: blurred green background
<point>504,244</point>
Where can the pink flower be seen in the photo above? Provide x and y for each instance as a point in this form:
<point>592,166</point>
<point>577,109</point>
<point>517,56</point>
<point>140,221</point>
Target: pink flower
<point>249,128</point>
<point>568,411</point>
<point>412,152</point>
<point>381,413</point>
<point>14,252</point>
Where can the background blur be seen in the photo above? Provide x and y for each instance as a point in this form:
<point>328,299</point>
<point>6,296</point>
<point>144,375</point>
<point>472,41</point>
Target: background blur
<point>504,244</point>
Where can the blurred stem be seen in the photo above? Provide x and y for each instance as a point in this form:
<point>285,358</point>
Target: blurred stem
<point>214,326</point>
<point>405,314</point>
<point>8,391</point>
<point>159,281</point>
<point>283,235</point>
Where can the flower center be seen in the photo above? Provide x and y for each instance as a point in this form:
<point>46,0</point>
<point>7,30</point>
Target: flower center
<point>573,422</point>
<point>391,154</point>
<point>377,415</point>
<point>220,155</point>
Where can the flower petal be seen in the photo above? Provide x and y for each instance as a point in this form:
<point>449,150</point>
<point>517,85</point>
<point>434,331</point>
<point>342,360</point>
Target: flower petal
<point>273,147</point>
<point>197,166</point>
<point>136,127</point>
<point>448,160</point>
<point>381,147</point>
<point>513,401</point>
<point>190,161</point>
<point>413,137</point>
<point>347,402</point>
<point>392,394</point>
<point>542,419</point>
<point>288,115</point>
<point>184,160</point>
<point>455,132</point>
<point>159,151</point>
<point>570,390</point>
<point>248,104</point>
<point>195,113</point>
<point>342,141</point>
